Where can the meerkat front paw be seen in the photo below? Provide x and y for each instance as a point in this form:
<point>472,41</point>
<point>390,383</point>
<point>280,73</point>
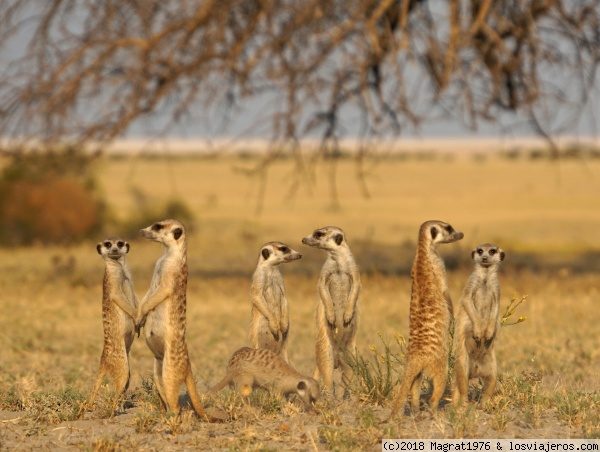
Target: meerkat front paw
<point>348,316</point>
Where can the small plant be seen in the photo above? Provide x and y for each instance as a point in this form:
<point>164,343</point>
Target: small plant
<point>270,402</point>
<point>337,439</point>
<point>377,378</point>
<point>179,424</point>
<point>367,418</point>
<point>501,415</point>
<point>578,409</point>
<point>464,420</point>
<point>146,419</point>
<point>67,404</point>
<point>510,310</point>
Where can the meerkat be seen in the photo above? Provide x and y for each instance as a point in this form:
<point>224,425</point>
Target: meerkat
<point>270,322</point>
<point>252,368</point>
<point>119,306</point>
<point>338,311</point>
<point>162,312</point>
<point>477,324</point>
<point>430,318</point>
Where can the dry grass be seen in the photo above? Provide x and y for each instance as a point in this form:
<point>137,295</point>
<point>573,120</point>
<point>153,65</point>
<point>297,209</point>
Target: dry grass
<point>549,386</point>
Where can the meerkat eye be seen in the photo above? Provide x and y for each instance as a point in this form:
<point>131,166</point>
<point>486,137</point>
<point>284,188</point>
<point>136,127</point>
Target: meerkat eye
<point>492,251</point>
<point>318,234</point>
<point>284,249</point>
<point>450,229</point>
<point>479,251</point>
<point>157,227</point>
<point>107,244</point>
<point>120,244</point>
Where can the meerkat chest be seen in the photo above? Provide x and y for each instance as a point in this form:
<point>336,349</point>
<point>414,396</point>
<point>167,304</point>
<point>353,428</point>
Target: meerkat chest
<point>338,283</point>
<point>485,295</point>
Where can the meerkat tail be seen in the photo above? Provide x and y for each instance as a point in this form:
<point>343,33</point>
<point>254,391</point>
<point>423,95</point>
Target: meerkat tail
<point>195,398</point>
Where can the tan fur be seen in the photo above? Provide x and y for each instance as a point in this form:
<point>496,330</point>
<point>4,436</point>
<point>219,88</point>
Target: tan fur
<point>270,322</point>
<point>430,318</point>
<point>163,311</point>
<point>338,311</point>
<point>119,305</point>
<point>261,368</point>
<point>477,324</point>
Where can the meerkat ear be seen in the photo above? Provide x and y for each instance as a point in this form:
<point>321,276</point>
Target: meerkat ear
<point>502,255</point>
<point>126,247</point>
<point>265,253</point>
<point>99,248</point>
<point>473,254</point>
<point>434,232</point>
<point>301,385</point>
<point>177,233</point>
<point>339,238</point>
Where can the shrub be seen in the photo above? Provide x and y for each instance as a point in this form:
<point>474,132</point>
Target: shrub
<point>48,197</point>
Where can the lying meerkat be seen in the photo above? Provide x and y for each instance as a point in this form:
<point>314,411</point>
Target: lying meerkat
<point>119,305</point>
<point>261,368</point>
<point>337,314</point>
<point>163,311</point>
<point>430,318</point>
<point>477,324</point>
<point>270,321</point>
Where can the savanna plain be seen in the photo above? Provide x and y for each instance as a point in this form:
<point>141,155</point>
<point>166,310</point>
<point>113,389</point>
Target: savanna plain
<point>544,214</point>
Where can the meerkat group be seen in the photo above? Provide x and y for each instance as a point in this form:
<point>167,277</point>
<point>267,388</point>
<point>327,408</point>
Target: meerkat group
<point>162,315</point>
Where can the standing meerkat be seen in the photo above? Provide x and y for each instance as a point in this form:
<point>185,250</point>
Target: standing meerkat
<point>251,368</point>
<point>477,324</point>
<point>430,318</point>
<point>337,313</point>
<point>119,306</point>
<point>163,312</point>
<point>270,322</point>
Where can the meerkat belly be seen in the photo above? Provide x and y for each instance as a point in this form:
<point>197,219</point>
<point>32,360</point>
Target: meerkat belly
<point>127,327</point>
<point>156,329</point>
<point>339,289</point>
<point>273,296</point>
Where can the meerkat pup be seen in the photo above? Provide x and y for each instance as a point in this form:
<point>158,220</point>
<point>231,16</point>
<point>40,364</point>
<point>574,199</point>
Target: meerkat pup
<point>119,306</point>
<point>163,312</point>
<point>430,318</point>
<point>270,321</point>
<point>477,323</point>
<point>337,313</point>
<point>253,368</point>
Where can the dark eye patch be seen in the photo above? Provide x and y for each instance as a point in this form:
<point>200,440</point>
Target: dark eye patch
<point>284,249</point>
<point>492,251</point>
<point>434,232</point>
<point>120,244</point>
<point>450,229</point>
<point>479,251</point>
<point>157,227</point>
<point>318,234</point>
<point>107,244</point>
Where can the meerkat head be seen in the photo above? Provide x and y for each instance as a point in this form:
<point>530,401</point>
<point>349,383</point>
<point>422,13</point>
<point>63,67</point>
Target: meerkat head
<point>113,248</point>
<point>308,390</point>
<point>487,255</point>
<point>275,253</point>
<point>328,238</point>
<point>167,232</point>
<point>435,232</point>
